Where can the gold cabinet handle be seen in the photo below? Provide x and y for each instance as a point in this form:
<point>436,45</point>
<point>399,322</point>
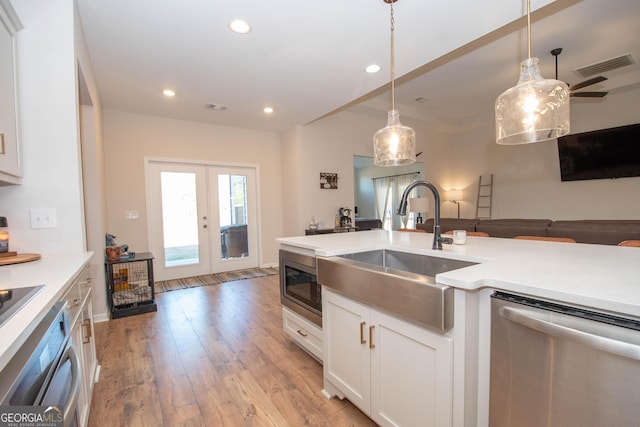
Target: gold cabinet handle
<point>371,345</point>
<point>87,336</point>
<point>301,333</point>
<point>362,340</point>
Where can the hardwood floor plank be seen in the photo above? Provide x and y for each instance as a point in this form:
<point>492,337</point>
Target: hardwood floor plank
<point>256,407</point>
<point>211,356</point>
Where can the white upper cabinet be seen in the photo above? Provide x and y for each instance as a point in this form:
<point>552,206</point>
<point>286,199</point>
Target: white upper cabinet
<point>10,161</point>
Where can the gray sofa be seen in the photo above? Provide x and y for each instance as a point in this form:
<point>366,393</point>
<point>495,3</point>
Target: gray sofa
<point>602,232</point>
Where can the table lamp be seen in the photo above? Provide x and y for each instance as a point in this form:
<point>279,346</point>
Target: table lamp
<point>418,205</point>
<point>454,196</point>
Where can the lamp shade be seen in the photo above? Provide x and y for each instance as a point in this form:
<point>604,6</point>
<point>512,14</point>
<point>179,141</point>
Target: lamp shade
<point>394,144</point>
<point>453,195</point>
<point>419,204</point>
<point>534,110</point>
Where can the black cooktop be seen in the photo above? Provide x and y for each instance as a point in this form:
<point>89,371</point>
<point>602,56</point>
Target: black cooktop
<point>11,300</point>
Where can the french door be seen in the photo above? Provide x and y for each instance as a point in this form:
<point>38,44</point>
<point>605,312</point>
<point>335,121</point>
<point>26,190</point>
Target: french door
<point>202,218</point>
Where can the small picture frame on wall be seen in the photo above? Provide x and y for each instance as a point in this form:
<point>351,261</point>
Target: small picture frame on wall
<point>328,181</point>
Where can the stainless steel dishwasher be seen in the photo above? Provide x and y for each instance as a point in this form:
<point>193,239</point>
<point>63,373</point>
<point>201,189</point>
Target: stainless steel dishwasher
<point>556,365</point>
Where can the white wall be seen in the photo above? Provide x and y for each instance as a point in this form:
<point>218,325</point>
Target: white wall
<point>129,138</point>
<point>328,145</point>
<point>49,129</point>
<point>51,48</point>
<point>527,177</point>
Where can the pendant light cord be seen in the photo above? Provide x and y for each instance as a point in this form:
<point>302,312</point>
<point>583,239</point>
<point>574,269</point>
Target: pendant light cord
<point>393,85</point>
<point>529,27</point>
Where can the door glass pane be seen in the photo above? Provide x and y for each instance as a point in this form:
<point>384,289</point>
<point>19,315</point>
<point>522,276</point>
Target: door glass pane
<point>179,218</point>
<point>232,202</point>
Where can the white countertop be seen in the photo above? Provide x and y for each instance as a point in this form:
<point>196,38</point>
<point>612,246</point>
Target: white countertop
<point>601,277</point>
<point>53,271</point>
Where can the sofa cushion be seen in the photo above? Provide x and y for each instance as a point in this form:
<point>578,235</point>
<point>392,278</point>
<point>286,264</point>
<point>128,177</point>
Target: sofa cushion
<point>450,224</point>
<point>603,232</point>
<point>514,227</point>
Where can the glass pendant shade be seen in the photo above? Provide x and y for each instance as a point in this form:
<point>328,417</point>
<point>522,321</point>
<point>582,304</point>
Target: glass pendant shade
<point>395,144</point>
<point>534,110</point>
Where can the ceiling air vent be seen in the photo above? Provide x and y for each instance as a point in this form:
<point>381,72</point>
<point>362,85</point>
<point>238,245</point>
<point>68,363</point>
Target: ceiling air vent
<point>216,107</point>
<point>606,65</point>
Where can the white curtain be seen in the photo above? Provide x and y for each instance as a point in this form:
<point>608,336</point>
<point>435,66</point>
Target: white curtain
<point>388,191</point>
<point>401,182</point>
<point>382,186</point>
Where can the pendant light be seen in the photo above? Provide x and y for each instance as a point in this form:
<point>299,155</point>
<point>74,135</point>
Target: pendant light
<point>394,144</point>
<point>535,109</point>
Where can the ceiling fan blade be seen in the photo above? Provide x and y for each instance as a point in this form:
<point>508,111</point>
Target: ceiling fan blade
<point>588,82</point>
<point>588,94</point>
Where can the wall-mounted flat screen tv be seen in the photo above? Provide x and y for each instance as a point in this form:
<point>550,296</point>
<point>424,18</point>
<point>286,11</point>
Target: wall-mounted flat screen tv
<point>606,153</point>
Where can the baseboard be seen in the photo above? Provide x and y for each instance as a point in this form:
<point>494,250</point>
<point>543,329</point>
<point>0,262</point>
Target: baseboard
<point>101,317</point>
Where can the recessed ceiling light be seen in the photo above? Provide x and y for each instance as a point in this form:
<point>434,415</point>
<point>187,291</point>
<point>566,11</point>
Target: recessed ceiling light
<point>239,26</point>
<point>268,110</point>
<point>373,68</point>
<point>168,92</point>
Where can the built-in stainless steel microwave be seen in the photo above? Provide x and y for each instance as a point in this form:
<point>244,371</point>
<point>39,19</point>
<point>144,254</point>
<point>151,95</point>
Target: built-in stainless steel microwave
<point>299,288</point>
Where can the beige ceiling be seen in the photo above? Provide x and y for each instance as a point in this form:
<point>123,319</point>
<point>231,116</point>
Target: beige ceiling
<point>306,58</point>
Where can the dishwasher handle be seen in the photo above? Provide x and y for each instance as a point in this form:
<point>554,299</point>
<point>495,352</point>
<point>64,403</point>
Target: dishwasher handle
<point>526,319</point>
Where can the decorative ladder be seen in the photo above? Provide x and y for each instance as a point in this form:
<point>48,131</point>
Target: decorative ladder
<point>485,196</point>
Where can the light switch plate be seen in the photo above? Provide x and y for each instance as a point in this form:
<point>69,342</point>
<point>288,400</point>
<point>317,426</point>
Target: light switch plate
<point>131,214</point>
<point>43,218</point>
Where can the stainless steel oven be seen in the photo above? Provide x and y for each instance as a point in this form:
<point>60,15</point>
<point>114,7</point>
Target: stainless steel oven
<point>45,371</point>
<point>299,288</point>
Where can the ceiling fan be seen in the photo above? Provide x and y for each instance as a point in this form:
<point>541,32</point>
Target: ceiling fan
<point>572,89</point>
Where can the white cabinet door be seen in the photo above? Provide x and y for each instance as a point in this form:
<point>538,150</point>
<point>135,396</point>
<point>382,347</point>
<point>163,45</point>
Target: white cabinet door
<point>345,326</point>
<point>76,339</point>
<point>411,374</point>
<point>10,162</point>
<point>78,298</point>
<point>394,371</point>
<point>89,347</point>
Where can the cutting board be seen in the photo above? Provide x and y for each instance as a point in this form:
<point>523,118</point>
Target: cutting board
<point>17,259</point>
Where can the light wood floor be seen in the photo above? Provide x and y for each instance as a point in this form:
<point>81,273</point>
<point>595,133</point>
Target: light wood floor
<point>211,356</point>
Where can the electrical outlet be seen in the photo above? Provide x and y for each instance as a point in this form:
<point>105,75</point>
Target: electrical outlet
<point>43,218</point>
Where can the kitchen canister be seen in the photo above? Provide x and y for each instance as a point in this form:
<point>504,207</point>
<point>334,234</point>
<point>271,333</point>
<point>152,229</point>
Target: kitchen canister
<point>4,235</point>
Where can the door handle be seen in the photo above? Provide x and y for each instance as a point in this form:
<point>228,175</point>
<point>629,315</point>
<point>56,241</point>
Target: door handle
<point>204,226</point>
<point>362,340</point>
<point>371,344</point>
<point>86,323</point>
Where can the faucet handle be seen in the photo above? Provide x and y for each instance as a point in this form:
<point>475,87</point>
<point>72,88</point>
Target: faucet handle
<point>446,240</point>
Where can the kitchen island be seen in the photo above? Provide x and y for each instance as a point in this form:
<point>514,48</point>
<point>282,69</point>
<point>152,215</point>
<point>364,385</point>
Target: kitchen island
<point>599,276</point>
<point>596,277</point>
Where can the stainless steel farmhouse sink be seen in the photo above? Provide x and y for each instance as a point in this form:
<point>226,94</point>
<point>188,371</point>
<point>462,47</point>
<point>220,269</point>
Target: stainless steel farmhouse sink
<point>398,282</point>
<point>423,265</point>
